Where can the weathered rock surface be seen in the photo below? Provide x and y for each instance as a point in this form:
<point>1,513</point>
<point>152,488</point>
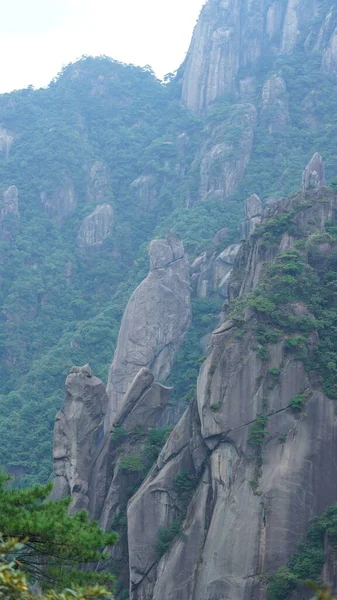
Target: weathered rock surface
<point>211,274</point>
<point>78,435</point>
<point>61,204</point>
<point>98,187</point>
<point>235,530</point>
<point>314,173</point>
<point>96,227</point>
<point>233,35</point>
<point>275,104</point>
<point>329,62</point>
<point>225,159</point>
<point>154,323</point>
<point>88,465</point>
<point>145,189</point>
<point>253,211</point>
<point>10,203</point>
<point>6,140</point>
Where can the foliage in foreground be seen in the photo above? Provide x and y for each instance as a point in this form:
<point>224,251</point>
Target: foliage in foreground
<point>306,564</point>
<point>52,543</point>
<point>14,584</point>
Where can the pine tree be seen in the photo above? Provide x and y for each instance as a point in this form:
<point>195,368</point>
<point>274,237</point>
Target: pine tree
<point>53,543</point>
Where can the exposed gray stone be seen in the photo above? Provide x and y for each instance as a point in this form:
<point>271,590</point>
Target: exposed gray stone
<point>223,164</point>
<point>234,34</point>
<point>10,203</point>
<point>275,104</point>
<point>60,204</point>
<point>77,436</point>
<point>98,188</point>
<point>154,323</point>
<point>6,140</point>
<point>314,173</point>
<point>253,211</point>
<point>96,227</point>
<point>233,530</point>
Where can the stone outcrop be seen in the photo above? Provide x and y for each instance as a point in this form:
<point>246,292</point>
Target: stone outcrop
<point>245,517</point>
<point>211,274</point>
<point>233,35</point>
<point>96,227</point>
<point>275,104</point>
<point>60,204</point>
<point>314,173</point>
<point>253,211</point>
<point>6,140</point>
<point>224,158</point>
<point>145,190</point>
<point>78,435</point>
<point>155,321</point>
<point>88,465</point>
<point>10,203</point>
<point>329,61</point>
<point>98,185</point>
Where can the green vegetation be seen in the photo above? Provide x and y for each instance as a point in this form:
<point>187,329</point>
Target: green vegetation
<point>297,403</point>
<point>184,484</point>
<point>134,464</point>
<point>308,562</point>
<point>258,431</point>
<point>15,586</point>
<point>166,535</point>
<point>52,544</point>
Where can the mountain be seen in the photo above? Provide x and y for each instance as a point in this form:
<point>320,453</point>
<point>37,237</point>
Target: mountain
<point>137,218</point>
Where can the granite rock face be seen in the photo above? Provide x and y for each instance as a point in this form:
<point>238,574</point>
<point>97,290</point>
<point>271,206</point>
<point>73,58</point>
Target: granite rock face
<point>275,104</point>
<point>77,436</point>
<point>145,190</point>
<point>233,529</point>
<point>231,36</point>
<point>223,159</point>
<point>211,274</point>
<point>96,227</point>
<point>253,211</point>
<point>61,204</point>
<point>10,203</point>
<point>6,140</point>
<point>154,323</point>
<point>314,173</point>
<point>98,187</point>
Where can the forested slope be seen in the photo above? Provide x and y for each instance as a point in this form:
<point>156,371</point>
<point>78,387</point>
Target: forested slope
<point>111,138</point>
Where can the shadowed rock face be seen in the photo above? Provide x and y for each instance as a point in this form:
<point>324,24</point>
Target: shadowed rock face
<point>243,520</point>
<point>223,163</point>
<point>154,323</point>
<point>78,435</point>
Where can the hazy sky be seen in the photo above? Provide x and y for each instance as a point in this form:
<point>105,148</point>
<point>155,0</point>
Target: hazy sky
<point>38,37</point>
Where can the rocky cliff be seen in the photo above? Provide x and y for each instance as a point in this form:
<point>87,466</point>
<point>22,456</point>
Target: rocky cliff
<point>233,37</point>
<point>259,444</point>
<point>155,321</point>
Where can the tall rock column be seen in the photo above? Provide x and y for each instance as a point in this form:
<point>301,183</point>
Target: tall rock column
<point>154,323</point>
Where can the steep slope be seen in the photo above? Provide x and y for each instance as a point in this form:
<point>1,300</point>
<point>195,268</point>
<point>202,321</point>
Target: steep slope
<point>106,159</point>
<point>275,62</point>
<point>254,458</point>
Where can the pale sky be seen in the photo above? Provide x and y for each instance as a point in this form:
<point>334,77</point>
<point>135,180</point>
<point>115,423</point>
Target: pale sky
<point>38,37</point>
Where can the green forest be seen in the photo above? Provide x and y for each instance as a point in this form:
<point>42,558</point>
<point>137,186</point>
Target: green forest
<point>62,304</point>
